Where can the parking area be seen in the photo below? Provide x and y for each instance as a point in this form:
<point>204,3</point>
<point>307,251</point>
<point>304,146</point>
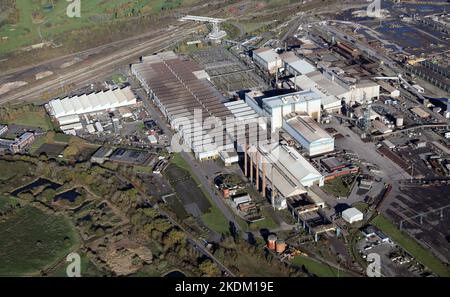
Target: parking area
<point>385,251</point>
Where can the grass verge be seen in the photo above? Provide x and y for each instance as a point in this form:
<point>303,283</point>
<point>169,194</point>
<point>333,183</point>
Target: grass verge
<point>32,240</point>
<point>411,246</point>
<point>317,268</point>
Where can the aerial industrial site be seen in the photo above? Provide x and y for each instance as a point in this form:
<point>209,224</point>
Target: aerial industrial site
<point>224,139</point>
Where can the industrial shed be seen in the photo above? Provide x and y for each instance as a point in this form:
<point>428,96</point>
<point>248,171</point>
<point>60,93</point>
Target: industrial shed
<point>267,59</point>
<point>294,65</point>
<point>276,107</point>
<point>94,102</point>
<point>382,128</point>
<point>352,215</point>
<point>331,84</point>
<point>186,99</point>
<point>308,133</point>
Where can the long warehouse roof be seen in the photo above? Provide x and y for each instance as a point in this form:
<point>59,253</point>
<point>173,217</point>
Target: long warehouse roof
<point>173,82</point>
<point>92,102</point>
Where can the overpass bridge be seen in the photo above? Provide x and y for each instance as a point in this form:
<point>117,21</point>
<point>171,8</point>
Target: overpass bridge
<point>215,34</point>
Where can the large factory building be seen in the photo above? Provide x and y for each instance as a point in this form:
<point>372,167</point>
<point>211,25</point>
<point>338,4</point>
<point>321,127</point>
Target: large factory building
<point>279,172</point>
<point>308,134</point>
<point>187,98</point>
<point>275,108</point>
<point>267,59</point>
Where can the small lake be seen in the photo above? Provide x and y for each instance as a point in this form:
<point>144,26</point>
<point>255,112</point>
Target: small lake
<point>70,196</point>
<point>37,183</point>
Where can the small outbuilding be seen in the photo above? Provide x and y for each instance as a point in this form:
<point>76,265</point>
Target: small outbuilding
<point>352,215</point>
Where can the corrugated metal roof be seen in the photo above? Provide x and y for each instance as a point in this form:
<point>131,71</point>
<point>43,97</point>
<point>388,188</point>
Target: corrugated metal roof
<point>92,102</point>
<point>306,127</point>
<point>267,54</point>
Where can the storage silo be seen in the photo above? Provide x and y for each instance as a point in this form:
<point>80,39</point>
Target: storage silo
<point>280,246</point>
<point>271,242</point>
<point>399,121</point>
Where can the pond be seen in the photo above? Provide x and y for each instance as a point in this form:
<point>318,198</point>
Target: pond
<point>37,183</point>
<point>70,196</point>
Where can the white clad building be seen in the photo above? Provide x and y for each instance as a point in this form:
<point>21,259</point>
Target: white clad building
<point>267,59</point>
<point>352,215</point>
<point>71,106</point>
<point>241,199</point>
<point>70,119</point>
<point>294,65</point>
<point>275,108</point>
<point>308,133</point>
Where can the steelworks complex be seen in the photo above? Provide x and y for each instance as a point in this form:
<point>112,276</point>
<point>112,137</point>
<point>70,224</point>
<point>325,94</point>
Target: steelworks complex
<point>201,115</point>
<point>186,97</point>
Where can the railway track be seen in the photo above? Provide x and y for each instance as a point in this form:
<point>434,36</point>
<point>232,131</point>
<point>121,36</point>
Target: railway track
<point>100,66</point>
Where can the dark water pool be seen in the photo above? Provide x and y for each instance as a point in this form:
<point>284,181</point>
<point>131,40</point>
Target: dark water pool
<point>69,196</point>
<point>37,183</point>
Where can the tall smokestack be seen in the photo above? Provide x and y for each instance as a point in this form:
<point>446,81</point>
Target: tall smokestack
<point>251,165</point>
<point>263,179</point>
<point>257,170</point>
<point>245,160</point>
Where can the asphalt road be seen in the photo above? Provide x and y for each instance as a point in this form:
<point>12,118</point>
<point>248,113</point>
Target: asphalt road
<point>200,174</point>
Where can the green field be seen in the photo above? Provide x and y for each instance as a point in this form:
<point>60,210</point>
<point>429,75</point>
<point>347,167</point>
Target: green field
<point>267,223</point>
<point>64,138</point>
<point>337,187</point>
<point>12,169</point>
<point>46,20</point>
<point>215,220</point>
<point>178,160</point>
<point>317,268</point>
<point>6,202</point>
<point>422,255</point>
<point>38,119</point>
<point>31,240</point>
<point>50,137</point>
<point>251,27</point>
<point>119,78</point>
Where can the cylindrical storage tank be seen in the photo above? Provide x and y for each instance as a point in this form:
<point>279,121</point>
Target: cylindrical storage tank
<point>399,121</point>
<point>280,246</point>
<point>226,193</point>
<point>271,242</point>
